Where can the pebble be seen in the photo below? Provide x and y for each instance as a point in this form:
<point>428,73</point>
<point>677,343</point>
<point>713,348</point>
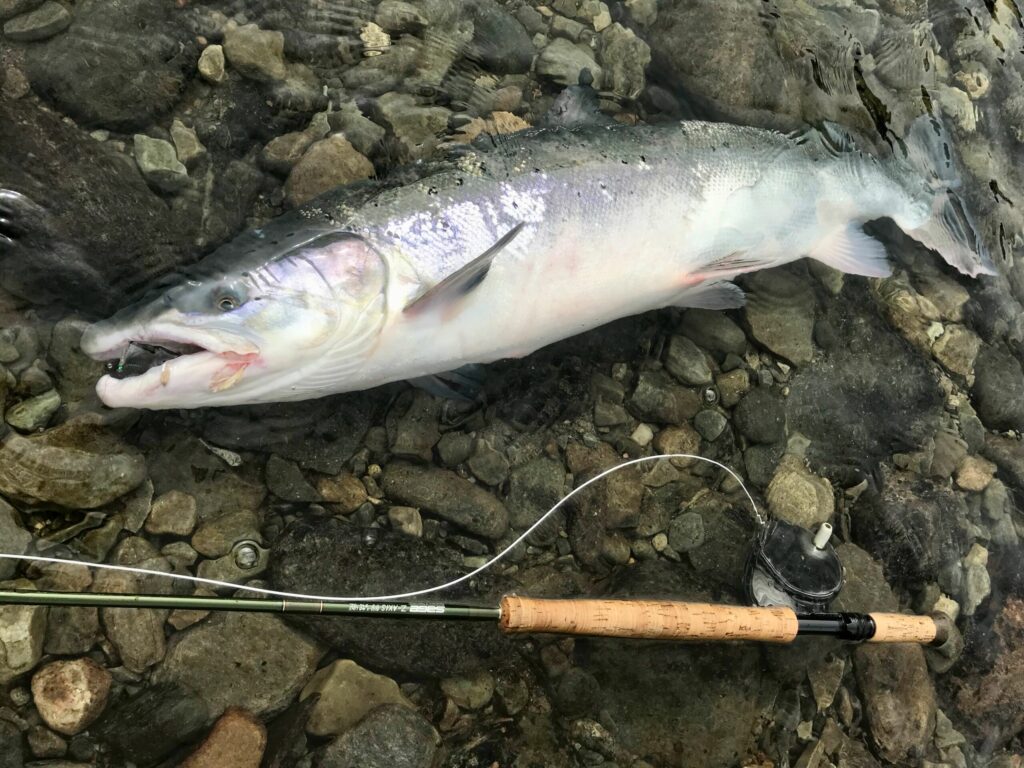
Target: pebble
<point>681,439</point>
<point>389,737</point>
<point>454,448</point>
<point>957,349</point>
<point>257,54</point>
<point>714,331</point>
<point>488,465</point>
<point>710,424</point>
<point>45,743</point>
<point>570,29</point>
<point>732,386</point>
<point>407,520</point>
<point>211,64</point>
<point>172,513</point>
<point>147,726</point>
<point>500,43</point>
<point>686,532</point>
<point>658,398</point>
<point>397,17</point>
<point>609,414</point>
<point>781,314</point>
<point>137,634</point>
<point>448,496</point>
<point>159,165</point>
<point>186,144</point>
<point>642,435</point>
<point>825,678</point>
<point>71,631</point>
<point>347,694</point>
<point>257,661</point>
<point>34,414</point>
<point>562,62</point>
<point>977,584</point>
<point>975,473</point>
<point>624,58</point>
<point>534,487</point>
<point>71,695</point>
<point>685,360</point>
<point>643,12</point>
<point>471,691</point>
<point>415,126</point>
<point>216,537</point>
<point>364,134</point>
<point>345,490</point>
<point>14,539</point>
<point>995,501</point>
<point>798,497</point>
<point>330,163</point>
<point>22,631</point>
<point>531,19</point>
<point>761,417</point>
<point>45,21</point>
<point>237,740</point>
<point>282,152</point>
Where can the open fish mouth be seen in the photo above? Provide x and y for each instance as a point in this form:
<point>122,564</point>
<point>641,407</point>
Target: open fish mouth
<point>146,367</point>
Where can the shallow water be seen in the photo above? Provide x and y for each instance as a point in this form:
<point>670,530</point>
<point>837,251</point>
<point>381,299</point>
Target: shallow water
<point>140,136</point>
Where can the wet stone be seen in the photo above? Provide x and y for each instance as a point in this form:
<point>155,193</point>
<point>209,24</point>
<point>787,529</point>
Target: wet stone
<point>416,127</point>
<point>137,634</point>
<point>237,740</point>
<point>286,481</point>
<point>395,16</point>
<point>347,694</point>
<point>159,165</point>
<point>534,488</point>
<point>282,152</point>
<point>781,314</point>
<point>713,330</point>
<point>45,21</point>
<point>211,64</point>
<point>330,163</point>
<point>975,473</point>
<point>173,514</point>
<point>45,743</point>
<point>998,391</point>
<point>11,755</point>
<point>364,134</point>
<point>686,532</point>
<point>448,496</point>
<point>454,448</point>
<point>407,520</point>
<point>570,29</point>
<point>761,417</point>
<point>11,8</point>
<point>412,426</point>
<point>147,726</point>
<point>624,58</point>
<point>609,414</point>
<point>258,663</point>
<point>71,631</point>
<point>685,360</point>
<point>216,537</point>
<point>957,349</point>
<point>71,695</point>
<point>34,414</point>
<point>255,53</point>
<point>345,490</point>
<point>488,465</point>
<point>22,631</point>
<point>471,691</point>
<point>658,398</point>
<point>798,497</point>
<point>710,424</point>
<point>388,737</point>
<point>562,62</point>
<point>186,144</point>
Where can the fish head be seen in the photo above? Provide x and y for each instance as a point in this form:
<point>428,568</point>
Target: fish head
<point>247,334</point>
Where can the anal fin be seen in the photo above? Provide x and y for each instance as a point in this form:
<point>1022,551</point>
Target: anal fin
<point>714,294</point>
<point>464,384</point>
<point>850,250</point>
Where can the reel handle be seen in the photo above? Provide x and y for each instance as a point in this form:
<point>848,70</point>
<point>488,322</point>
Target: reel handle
<point>650,619</point>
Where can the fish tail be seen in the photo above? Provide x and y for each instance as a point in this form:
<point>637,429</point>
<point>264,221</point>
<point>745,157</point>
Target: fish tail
<point>927,152</point>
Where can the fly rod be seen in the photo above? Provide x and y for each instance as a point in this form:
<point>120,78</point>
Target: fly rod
<point>640,619</point>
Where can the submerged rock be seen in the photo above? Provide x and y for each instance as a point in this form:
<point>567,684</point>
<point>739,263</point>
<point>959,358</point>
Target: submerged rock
<point>327,164</point>
<point>562,62</point>
<point>347,692</point>
<point>389,737</point>
<point>71,695</point>
<point>45,21</point>
<point>159,164</point>
<point>14,539</point>
<point>256,53</point>
<point>22,631</point>
<point>75,465</point>
<point>34,413</point>
<point>237,740</point>
<point>999,389</point>
<point>147,726</point>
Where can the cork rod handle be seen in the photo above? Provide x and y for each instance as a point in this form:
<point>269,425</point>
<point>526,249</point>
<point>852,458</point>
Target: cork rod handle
<point>650,619</point>
<point>902,628</point>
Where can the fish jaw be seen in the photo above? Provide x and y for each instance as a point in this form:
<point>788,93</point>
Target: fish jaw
<point>218,363</point>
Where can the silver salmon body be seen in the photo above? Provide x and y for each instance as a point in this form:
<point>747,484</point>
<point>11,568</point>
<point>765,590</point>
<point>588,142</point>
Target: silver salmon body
<point>498,253</point>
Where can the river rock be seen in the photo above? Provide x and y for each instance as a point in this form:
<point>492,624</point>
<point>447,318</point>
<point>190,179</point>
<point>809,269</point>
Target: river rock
<point>347,693</point>
<point>391,736</point>
<point>412,426</point>
<point>396,16</point>
<point>255,53</point>
<point>624,58</point>
<point>799,497</point>
<point>11,738</point>
<point>534,487</point>
<point>975,474</point>
<point>685,360</point>
<point>14,539</point>
<point>237,740</point>
<point>74,465</point>
<point>45,21</point>
<point>761,416</point>
<point>500,43</point>
<point>998,392</point>
<point>136,633</point>
<point>71,631</point>
<point>22,631</point>
<point>448,496</point>
<point>658,398</point>
<point>286,481</point>
<point>186,144</point>
<point>11,8</point>
<point>211,64</point>
<point>70,695</point>
<point>562,62</point>
<point>713,331</point>
<point>957,349</point>
<point>252,661</point>
<point>330,163</point>
<point>216,537</point>
<point>34,414</point>
<point>159,164</point>
<point>172,513</point>
<point>344,490</point>
<point>148,725</point>
<point>781,314</point>
<point>415,126</point>
<point>470,691</point>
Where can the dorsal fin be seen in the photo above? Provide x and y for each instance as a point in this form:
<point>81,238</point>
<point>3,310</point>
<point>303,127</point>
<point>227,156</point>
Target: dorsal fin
<point>464,279</point>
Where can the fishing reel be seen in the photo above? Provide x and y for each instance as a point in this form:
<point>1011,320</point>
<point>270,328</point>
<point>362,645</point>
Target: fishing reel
<point>793,567</point>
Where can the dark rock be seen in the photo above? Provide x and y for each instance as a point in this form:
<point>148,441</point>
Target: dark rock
<point>11,8</point>
<point>13,753</point>
<point>577,693</point>
<point>247,660</point>
<point>139,54</point>
<point>71,631</point>
<point>488,464</point>
<point>761,416</point>
<point>713,330</point>
<point>500,43</point>
<point>150,725</point>
<point>760,462</point>
<point>412,425</point>
<point>624,58</point>
<point>64,253</point>
<point>391,736</point>
<point>780,310</point>
<point>710,424</point>
<point>448,496</point>
<point>1008,454</point>
<point>685,360</point>
<point>396,563</point>
<point>454,448</point>
<point>534,488</point>
<point>728,531</point>
<point>562,62</point>
<point>999,389</point>
<point>330,163</point>
<point>686,532</point>
<point>286,481</point>
<point>14,539</point>
<point>658,398</point>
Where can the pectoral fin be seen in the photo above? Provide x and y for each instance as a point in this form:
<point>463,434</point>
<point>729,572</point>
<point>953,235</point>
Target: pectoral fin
<point>850,250</point>
<point>463,280</point>
<point>717,294</point>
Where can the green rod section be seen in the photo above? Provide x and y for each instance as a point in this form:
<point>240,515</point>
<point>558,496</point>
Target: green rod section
<point>252,605</point>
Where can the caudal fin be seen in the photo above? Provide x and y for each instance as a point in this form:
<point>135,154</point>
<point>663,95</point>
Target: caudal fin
<point>927,151</point>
